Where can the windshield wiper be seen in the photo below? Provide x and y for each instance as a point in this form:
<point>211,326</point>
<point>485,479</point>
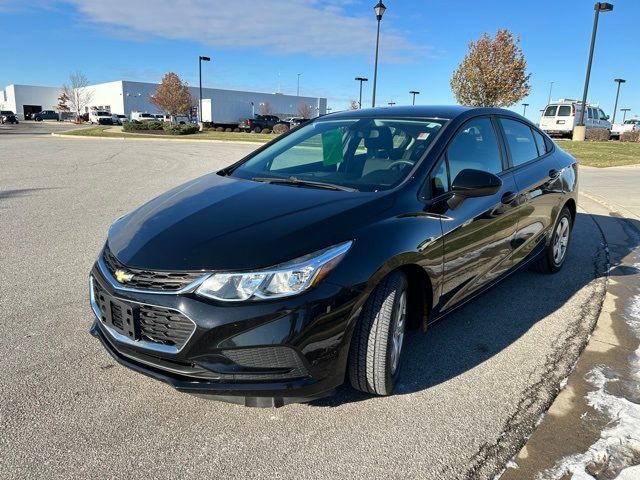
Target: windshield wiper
<point>301,182</point>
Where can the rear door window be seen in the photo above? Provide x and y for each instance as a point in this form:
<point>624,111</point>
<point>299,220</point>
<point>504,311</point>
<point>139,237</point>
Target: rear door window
<point>551,111</point>
<point>520,140</point>
<point>540,143</point>
<point>564,111</point>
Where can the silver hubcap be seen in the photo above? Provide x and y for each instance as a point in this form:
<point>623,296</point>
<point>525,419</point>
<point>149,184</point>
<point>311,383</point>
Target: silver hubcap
<point>397,337</point>
<point>561,240</point>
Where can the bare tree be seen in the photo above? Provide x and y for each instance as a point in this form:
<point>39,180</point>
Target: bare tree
<point>493,73</point>
<point>172,96</point>
<point>78,95</point>
<point>354,105</point>
<point>304,110</point>
<point>265,108</point>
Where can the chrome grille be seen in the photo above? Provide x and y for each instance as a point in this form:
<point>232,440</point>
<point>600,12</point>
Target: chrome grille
<point>149,279</point>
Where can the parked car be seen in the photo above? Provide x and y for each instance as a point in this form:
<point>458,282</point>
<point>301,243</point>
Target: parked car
<point>45,115</point>
<point>143,117</point>
<point>7,116</point>
<point>100,117</point>
<point>118,119</point>
<point>306,262</point>
<point>296,122</point>
<point>560,117</point>
<point>180,119</point>
<point>259,123</point>
<point>631,125</point>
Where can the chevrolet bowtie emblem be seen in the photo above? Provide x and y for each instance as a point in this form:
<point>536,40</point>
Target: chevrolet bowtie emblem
<point>122,276</point>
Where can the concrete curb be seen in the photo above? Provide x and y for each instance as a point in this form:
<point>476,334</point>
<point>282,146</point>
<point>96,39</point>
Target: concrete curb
<point>204,140</point>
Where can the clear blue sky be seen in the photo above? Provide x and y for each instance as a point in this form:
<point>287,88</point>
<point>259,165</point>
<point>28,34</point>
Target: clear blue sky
<point>260,45</point>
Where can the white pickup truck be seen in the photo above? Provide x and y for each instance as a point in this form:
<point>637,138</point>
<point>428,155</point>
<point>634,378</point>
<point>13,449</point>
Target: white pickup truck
<point>631,125</point>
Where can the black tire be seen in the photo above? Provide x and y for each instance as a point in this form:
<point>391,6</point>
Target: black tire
<point>257,130</point>
<point>550,261</point>
<point>38,119</point>
<point>371,357</point>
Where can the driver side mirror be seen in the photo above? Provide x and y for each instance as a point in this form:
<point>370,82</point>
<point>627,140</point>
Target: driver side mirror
<point>472,183</point>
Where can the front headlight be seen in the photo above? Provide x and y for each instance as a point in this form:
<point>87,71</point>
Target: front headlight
<point>282,280</point>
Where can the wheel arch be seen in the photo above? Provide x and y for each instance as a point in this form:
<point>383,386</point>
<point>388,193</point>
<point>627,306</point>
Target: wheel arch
<point>571,205</point>
<point>419,294</point>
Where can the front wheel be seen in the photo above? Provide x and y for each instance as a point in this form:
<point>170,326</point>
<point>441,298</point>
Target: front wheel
<point>375,356</point>
<point>555,253</point>
<point>38,119</point>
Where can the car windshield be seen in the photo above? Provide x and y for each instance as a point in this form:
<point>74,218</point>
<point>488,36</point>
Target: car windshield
<point>632,122</point>
<point>146,115</point>
<point>366,154</point>
<point>103,114</point>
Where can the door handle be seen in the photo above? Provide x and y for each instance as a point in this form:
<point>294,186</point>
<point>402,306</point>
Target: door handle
<point>553,173</point>
<point>508,197</point>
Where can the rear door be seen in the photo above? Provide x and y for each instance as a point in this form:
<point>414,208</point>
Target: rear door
<point>478,233</point>
<point>548,120</point>
<point>537,177</point>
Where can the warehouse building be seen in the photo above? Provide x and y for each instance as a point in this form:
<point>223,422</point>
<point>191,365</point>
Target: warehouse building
<point>124,97</point>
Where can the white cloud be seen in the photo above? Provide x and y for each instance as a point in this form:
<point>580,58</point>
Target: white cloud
<point>317,28</point>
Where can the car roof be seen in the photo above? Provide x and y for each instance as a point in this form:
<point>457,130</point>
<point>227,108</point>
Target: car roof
<point>426,111</point>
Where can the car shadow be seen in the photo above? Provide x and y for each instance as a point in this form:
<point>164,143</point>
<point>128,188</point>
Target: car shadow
<point>496,319</point>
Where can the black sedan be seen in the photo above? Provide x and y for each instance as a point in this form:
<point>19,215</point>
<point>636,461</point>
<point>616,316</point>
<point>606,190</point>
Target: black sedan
<point>7,116</point>
<point>305,263</point>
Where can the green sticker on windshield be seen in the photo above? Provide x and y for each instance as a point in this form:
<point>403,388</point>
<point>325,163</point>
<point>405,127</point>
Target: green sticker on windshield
<point>332,147</point>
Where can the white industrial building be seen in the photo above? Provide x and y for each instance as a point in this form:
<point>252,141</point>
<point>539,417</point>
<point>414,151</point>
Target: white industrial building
<point>124,97</point>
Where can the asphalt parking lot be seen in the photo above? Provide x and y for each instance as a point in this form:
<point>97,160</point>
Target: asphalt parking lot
<point>472,387</point>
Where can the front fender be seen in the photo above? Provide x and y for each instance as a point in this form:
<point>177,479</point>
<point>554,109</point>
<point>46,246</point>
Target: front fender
<point>389,244</point>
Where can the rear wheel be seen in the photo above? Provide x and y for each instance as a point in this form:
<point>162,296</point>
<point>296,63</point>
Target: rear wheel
<point>375,357</point>
<point>257,129</point>
<point>555,253</point>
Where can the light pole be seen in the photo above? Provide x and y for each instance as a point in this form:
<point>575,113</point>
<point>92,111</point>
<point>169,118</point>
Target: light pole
<point>379,9</point>
<point>580,130</point>
<point>361,79</point>
<point>414,93</point>
<point>550,89</point>
<point>624,113</point>
<point>200,60</point>
<point>619,81</point>
<point>391,104</point>
<point>524,110</point>
<point>298,93</point>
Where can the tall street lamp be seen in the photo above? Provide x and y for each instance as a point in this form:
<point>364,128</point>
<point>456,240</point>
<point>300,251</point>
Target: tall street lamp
<point>392,103</point>
<point>619,81</point>
<point>200,60</point>
<point>379,9</point>
<point>414,93</point>
<point>524,110</point>
<point>624,113</point>
<point>298,94</point>
<point>550,89</point>
<point>580,130</point>
<point>361,79</point>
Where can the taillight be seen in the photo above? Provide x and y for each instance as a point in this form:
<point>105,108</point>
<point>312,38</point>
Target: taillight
<point>573,109</point>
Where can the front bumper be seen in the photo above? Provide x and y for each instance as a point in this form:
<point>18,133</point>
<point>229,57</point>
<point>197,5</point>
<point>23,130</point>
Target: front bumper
<point>265,353</point>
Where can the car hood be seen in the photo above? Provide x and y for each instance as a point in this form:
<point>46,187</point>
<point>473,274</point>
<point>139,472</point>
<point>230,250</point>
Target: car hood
<point>221,223</point>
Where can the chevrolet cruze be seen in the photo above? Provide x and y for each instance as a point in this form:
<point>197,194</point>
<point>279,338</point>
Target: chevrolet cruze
<point>303,265</point>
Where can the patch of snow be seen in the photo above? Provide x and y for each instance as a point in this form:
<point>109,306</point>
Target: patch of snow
<point>617,453</point>
<point>631,473</point>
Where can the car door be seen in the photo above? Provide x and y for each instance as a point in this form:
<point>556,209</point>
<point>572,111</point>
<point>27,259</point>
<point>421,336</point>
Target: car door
<point>477,233</point>
<point>537,174</point>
